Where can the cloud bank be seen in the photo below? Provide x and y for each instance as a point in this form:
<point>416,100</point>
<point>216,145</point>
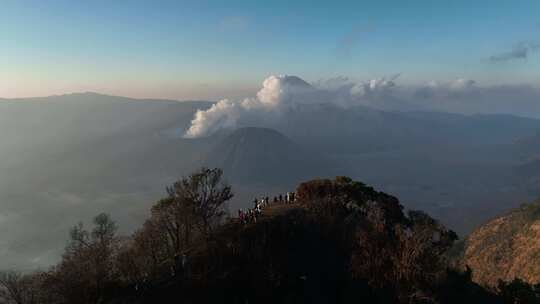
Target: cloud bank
<point>281,94</point>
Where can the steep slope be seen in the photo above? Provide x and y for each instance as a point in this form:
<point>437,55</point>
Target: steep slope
<point>507,247</point>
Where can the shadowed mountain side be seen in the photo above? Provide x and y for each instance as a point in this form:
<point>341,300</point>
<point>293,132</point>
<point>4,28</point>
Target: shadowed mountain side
<point>330,128</point>
<point>341,242</point>
<point>264,156</point>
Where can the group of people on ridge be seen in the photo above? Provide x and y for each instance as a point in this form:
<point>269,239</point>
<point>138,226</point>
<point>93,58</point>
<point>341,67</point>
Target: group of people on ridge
<point>250,215</point>
<point>180,265</point>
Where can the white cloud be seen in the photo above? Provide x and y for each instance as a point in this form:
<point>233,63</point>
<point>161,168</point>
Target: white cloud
<point>281,94</point>
<point>278,92</point>
<point>374,86</point>
<point>461,84</point>
<point>223,114</point>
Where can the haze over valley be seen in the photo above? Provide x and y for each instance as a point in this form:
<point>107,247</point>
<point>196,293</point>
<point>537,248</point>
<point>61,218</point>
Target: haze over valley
<point>82,153</point>
<point>177,151</point>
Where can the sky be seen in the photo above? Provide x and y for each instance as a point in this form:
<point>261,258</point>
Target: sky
<point>225,49</point>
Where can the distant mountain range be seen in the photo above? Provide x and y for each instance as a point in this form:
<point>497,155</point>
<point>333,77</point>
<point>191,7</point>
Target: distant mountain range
<point>65,157</point>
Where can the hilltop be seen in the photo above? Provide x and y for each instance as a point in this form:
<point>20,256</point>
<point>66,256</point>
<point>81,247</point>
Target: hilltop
<point>337,241</point>
<point>341,241</point>
<point>506,247</point>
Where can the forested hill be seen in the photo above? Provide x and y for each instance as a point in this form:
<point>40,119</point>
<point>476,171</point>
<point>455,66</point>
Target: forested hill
<point>507,247</point>
<point>336,241</point>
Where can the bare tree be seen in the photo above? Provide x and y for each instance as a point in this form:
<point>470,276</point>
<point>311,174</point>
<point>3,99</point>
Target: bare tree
<point>176,220</point>
<point>19,288</point>
<point>87,265</point>
<point>10,286</point>
<point>206,194</point>
<point>194,206</point>
<point>167,233</point>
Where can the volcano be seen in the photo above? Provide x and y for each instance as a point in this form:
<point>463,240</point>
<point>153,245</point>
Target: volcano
<point>264,155</point>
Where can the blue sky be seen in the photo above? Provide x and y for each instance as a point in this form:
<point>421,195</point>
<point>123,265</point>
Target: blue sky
<point>213,49</point>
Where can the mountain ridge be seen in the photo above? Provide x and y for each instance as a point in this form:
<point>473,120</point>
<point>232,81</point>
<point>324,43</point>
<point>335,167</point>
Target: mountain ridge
<point>92,94</point>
